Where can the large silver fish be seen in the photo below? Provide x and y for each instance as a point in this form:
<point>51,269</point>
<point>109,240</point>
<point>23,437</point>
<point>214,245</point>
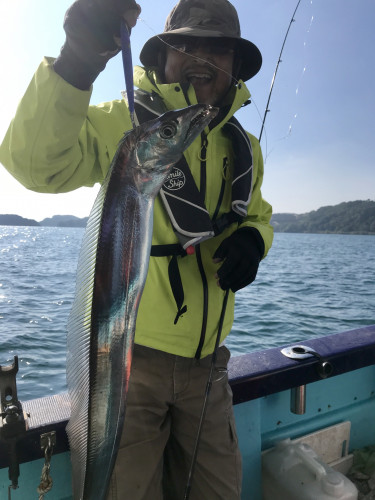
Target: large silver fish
<point>111,274</point>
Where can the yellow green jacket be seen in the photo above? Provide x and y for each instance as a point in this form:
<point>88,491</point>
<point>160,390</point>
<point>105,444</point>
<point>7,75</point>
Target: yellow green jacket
<point>57,142</point>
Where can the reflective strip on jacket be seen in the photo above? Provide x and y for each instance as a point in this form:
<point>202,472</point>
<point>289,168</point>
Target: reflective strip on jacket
<point>57,143</point>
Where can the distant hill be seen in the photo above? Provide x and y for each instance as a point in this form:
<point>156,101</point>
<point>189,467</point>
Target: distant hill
<point>16,220</point>
<point>64,221</point>
<point>353,217</point>
<point>55,221</point>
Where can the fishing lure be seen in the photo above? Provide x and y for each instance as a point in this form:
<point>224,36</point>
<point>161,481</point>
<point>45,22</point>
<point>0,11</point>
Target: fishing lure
<point>128,68</point>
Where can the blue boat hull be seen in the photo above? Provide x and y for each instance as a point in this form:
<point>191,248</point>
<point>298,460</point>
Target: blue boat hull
<point>261,382</point>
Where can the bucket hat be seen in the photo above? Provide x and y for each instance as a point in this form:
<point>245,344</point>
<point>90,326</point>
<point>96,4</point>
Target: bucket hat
<point>208,19</point>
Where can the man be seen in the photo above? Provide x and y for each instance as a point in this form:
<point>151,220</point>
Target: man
<point>211,206</point>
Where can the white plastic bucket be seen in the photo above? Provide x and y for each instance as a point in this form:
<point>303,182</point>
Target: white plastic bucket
<point>293,471</point>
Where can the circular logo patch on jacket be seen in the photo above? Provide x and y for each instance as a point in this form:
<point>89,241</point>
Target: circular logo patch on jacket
<point>175,180</point>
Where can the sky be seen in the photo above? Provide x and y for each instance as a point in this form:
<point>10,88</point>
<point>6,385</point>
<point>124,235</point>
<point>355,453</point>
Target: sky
<point>319,138</point>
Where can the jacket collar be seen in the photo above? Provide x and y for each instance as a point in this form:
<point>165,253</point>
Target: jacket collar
<point>176,97</point>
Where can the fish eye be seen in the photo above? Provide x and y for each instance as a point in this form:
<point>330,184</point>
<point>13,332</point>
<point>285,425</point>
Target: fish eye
<point>168,130</point>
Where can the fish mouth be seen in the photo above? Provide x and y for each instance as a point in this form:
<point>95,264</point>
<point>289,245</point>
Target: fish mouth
<point>202,118</point>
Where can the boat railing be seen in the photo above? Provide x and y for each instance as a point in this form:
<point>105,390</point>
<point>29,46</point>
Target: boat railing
<point>252,376</point>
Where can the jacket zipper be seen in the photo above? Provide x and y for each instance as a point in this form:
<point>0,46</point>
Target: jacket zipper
<point>200,263</point>
<point>202,157</point>
<point>222,189</point>
<point>202,188</point>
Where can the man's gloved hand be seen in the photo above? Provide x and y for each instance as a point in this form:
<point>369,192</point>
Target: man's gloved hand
<point>92,30</point>
<point>241,252</point>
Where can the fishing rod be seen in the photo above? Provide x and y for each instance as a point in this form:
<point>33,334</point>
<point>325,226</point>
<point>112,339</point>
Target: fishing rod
<point>205,401</point>
<point>129,84</point>
<point>276,69</point>
<point>225,300</point>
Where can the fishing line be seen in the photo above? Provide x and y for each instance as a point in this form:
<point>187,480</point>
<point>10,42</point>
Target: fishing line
<point>276,69</point>
<point>303,72</point>
<point>205,61</point>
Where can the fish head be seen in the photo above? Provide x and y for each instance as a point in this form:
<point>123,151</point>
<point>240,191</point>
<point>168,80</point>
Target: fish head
<point>160,143</point>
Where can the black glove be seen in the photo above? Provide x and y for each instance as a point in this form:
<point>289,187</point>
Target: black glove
<point>91,28</point>
<point>242,251</point>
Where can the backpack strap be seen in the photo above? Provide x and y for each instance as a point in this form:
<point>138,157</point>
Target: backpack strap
<point>173,251</point>
<point>185,204</point>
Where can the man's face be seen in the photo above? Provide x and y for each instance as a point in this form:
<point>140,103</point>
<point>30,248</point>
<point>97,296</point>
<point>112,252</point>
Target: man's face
<point>205,63</point>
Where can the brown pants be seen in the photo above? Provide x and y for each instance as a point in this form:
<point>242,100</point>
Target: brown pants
<point>163,411</point>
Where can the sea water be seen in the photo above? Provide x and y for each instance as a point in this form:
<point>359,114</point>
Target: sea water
<point>310,285</point>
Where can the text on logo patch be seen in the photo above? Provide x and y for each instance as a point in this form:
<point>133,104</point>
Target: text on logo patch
<point>175,180</point>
